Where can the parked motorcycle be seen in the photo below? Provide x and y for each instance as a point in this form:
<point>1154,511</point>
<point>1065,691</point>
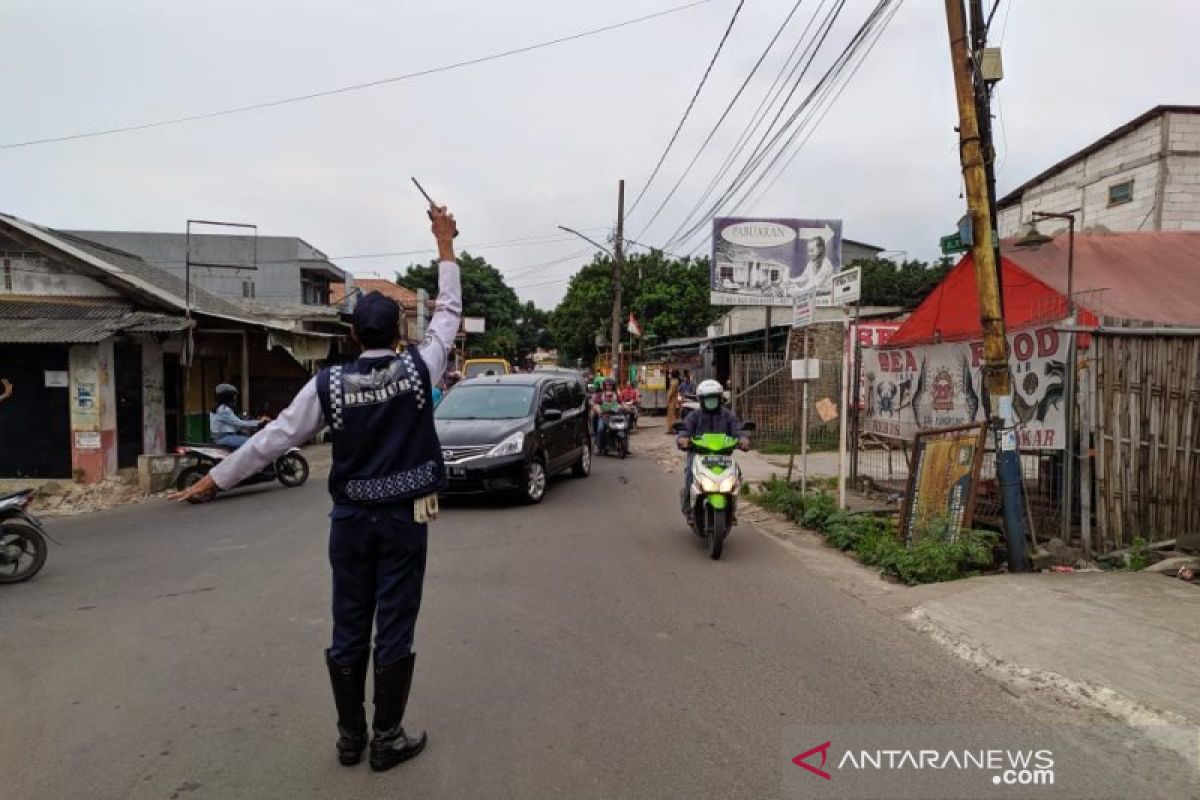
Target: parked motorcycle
<point>716,483</point>
<point>22,539</point>
<point>616,433</point>
<point>290,469</point>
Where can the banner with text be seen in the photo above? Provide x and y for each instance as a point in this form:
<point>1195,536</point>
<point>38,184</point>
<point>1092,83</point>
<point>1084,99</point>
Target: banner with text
<point>941,385</point>
<point>767,262</point>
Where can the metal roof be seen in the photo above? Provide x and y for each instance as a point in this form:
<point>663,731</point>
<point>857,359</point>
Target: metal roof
<point>55,320</point>
<point>134,275</point>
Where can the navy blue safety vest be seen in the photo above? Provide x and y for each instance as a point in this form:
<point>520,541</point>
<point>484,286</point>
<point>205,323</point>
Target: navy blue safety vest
<point>385,445</point>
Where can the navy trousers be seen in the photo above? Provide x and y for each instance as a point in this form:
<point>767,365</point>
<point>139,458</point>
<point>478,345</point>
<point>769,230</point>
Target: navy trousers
<point>378,561</point>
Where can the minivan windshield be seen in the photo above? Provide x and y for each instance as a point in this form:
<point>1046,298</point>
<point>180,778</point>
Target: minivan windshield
<point>489,401</point>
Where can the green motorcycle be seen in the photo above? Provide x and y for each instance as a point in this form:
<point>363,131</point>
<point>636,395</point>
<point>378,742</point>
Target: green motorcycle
<point>716,482</point>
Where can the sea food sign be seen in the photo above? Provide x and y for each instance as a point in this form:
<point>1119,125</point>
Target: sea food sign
<point>770,261</point>
<point>941,385</point>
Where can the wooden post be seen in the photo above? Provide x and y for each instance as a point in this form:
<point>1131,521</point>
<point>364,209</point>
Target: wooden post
<point>1085,456</point>
<point>804,422</point>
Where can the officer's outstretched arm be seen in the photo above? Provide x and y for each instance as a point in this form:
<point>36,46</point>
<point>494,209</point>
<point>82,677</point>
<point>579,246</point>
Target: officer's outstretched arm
<point>447,315</point>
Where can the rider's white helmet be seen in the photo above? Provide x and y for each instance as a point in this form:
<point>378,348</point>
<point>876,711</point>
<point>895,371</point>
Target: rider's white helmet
<point>710,394</point>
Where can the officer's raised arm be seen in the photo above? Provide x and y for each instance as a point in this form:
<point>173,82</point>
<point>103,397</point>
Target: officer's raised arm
<point>447,315</point>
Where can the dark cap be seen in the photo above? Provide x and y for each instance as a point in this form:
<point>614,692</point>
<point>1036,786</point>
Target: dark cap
<point>377,315</point>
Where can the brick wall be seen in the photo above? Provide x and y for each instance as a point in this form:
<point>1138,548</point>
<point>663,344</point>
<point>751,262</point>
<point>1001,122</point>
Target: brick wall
<point>1138,156</point>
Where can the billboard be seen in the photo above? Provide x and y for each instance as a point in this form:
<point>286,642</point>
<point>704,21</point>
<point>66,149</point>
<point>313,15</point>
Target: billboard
<point>913,388</point>
<point>768,262</point>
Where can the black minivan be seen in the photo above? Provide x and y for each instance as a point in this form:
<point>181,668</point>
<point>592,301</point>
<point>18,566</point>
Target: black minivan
<point>508,434</point>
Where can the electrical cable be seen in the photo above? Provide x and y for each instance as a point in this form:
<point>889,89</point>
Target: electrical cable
<point>352,87</point>
<point>721,119</point>
<point>691,104</point>
<point>765,145</point>
<point>790,65</point>
<point>809,53</point>
<point>790,128</point>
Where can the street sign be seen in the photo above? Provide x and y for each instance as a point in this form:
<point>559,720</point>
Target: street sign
<point>953,244</point>
<point>474,324</point>
<point>806,369</point>
<point>804,308</point>
<point>847,286</point>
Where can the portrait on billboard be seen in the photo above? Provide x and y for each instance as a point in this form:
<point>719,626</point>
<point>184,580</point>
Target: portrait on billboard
<point>771,261</point>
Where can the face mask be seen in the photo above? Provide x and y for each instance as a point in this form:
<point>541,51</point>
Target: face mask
<point>711,403</point>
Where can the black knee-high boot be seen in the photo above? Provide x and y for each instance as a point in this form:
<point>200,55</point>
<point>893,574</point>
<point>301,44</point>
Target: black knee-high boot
<point>349,691</point>
<point>391,745</point>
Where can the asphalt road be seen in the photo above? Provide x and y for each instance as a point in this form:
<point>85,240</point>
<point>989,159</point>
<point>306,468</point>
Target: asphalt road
<point>584,648</point>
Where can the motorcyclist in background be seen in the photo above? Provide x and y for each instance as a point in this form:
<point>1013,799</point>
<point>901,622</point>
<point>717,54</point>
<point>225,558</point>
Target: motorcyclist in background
<point>713,416</point>
<point>604,402</point>
<point>228,428</point>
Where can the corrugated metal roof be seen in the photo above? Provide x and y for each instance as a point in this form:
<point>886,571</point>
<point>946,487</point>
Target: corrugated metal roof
<point>43,321</point>
<point>137,274</point>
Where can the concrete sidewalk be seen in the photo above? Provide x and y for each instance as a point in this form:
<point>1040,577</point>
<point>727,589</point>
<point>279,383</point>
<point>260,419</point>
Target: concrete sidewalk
<point>1126,643</point>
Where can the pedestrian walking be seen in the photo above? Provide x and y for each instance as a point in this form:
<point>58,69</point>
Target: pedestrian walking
<point>387,468</point>
<point>672,399</point>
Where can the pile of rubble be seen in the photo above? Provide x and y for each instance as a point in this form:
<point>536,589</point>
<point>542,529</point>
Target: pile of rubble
<point>61,498</point>
<point>1174,558</point>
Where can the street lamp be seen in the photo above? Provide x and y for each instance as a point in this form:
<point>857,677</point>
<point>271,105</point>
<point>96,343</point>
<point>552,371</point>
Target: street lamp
<point>590,241</point>
<point>1032,237</point>
<point>1035,238</point>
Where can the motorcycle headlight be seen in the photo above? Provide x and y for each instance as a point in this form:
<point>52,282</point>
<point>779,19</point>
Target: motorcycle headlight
<point>511,446</point>
<point>727,484</point>
<point>709,485</point>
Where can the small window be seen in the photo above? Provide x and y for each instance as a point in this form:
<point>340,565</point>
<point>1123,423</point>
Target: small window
<point>1119,193</point>
<point>247,288</point>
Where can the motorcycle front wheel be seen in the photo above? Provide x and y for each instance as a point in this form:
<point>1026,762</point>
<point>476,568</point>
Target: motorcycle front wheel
<point>717,529</point>
<point>22,552</point>
<point>623,446</point>
<point>292,470</point>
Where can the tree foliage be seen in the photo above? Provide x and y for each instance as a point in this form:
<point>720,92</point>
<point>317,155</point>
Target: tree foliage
<point>886,283</point>
<point>514,329</point>
<point>668,296</point>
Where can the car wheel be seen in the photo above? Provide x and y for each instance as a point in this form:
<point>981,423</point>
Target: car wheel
<point>535,481</point>
<point>583,467</point>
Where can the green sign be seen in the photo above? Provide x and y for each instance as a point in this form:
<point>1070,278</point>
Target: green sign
<point>953,244</point>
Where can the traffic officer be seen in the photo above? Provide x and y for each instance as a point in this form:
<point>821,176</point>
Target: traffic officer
<point>387,468</point>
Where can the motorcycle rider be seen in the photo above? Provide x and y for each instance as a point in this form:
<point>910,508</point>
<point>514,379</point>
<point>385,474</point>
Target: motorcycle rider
<point>713,416</point>
<point>604,402</point>
<point>227,427</point>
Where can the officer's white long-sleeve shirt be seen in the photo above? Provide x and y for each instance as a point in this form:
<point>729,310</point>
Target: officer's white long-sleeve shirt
<point>301,420</point>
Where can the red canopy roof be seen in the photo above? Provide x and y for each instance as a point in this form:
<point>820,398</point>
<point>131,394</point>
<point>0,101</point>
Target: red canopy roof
<point>951,312</point>
<point>1147,277</point>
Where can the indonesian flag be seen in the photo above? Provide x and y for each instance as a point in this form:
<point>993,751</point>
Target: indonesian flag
<point>633,327</point>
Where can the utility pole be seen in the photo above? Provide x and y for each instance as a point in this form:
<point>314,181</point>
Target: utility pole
<point>618,263</point>
<point>983,113</point>
<point>995,356</point>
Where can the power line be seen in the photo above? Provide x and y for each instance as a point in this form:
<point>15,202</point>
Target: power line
<point>773,93</point>
<point>768,102</point>
<point>690,105</point>
<point>687,228</point>
<point>353,87</point>
<point>721,119</point>
<point>772,149</point>
<point>818,112</point>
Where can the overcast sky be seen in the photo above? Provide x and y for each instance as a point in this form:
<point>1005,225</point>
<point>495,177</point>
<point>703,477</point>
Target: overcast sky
<point>520,145</point>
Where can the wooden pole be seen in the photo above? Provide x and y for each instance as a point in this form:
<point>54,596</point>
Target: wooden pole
<point>618,263</point>
<point>995,355</point>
